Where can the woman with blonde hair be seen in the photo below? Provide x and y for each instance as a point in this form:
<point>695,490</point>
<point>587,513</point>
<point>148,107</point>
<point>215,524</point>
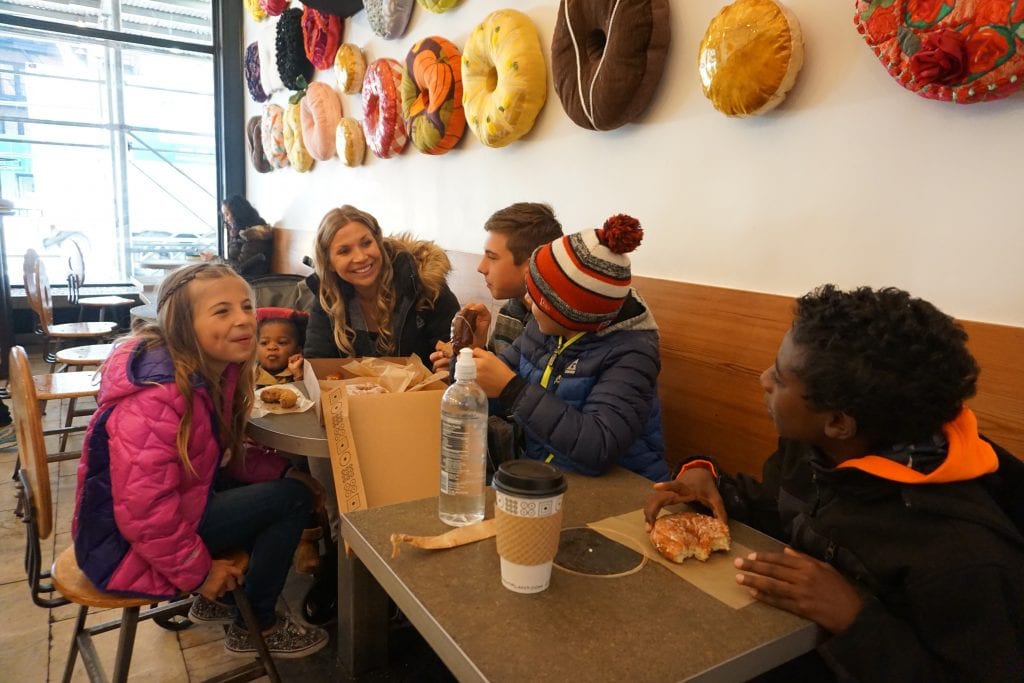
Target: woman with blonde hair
<point>164,485</point>
<point>376,295</point>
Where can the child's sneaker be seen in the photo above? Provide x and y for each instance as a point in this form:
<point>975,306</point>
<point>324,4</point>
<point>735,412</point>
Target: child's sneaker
<point>8,439</point>
<point>205,611</point>
<point>288,640</point>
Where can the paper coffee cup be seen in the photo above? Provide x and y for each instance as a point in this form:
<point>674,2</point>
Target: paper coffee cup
<point>528,512</point>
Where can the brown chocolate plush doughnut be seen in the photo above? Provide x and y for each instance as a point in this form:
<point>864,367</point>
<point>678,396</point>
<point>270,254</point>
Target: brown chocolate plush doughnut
<point>607,57</point>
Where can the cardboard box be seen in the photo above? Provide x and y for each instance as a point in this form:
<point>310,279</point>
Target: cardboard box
<point>385,448</point>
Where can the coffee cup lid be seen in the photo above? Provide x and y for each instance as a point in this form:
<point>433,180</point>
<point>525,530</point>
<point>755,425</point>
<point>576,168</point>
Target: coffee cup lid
<point>529,478</point>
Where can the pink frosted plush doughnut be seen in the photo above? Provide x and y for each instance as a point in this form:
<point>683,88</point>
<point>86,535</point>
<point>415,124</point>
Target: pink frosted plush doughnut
<point>320,111</point>
<point>272,132</point>
<point>382,108</point>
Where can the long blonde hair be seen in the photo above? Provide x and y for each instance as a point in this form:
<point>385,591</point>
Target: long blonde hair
<point>175,330</point>
<point>332,287</point>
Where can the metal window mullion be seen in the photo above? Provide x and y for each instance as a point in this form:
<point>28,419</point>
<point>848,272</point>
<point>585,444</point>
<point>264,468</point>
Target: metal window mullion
<point>119,154</point>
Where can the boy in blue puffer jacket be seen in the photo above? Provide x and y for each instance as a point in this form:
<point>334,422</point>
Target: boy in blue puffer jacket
<point>581,380</point>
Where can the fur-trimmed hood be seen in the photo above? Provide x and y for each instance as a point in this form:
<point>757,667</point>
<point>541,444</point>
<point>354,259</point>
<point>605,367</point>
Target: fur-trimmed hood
<point>432,263</point>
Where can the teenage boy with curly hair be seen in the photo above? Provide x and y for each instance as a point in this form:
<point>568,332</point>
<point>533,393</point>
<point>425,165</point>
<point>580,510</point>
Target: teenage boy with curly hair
<point>896,511</point>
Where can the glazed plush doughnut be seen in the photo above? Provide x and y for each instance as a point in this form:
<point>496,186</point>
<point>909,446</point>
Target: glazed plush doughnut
<point>253,80</point>
<point>607,57</point>
<point>350,142</point>
<point>382,112</point>
<point>750,56</point>
<point>298,157</point>
<point>350,68</point>
<point>437,6</point>
<point>255,11</point>
<point>504,47</point>
<point>432,95</point>
<point>389,18</point>
<point>960,51</point>
<point>321,35</point>
<point>272,135</point>
<point>320,111</point>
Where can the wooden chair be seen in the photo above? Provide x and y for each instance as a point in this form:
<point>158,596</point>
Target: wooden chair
<point>76,280</point>
<point>65,578</point>
<point>37,290</point>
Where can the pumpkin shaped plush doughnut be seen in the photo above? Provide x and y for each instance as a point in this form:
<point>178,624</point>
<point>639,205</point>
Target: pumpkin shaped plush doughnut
<point>960,51</point>
<point>504,80</point>
<point>298,157</point>
<point>382,111</point>
<point>350,142</point>
<point>320,111</point>
<point>750,56</point>
<point>389,18</point>
<point>607,57</point>
<point>437,6</point>
<point>272,135</point>
<point>350,68</point>
<point>432,95</point>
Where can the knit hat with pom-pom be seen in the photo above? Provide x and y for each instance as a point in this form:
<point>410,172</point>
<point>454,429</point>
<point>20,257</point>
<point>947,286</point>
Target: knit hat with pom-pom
<point>582,279</point>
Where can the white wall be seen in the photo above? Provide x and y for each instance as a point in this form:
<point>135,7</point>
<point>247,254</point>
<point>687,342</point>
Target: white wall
<point>853,180</point>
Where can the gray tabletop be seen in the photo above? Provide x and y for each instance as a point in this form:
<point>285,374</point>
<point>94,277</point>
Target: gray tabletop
<point>145,312</point>
<point>295,433</point>
<point>646,626</point>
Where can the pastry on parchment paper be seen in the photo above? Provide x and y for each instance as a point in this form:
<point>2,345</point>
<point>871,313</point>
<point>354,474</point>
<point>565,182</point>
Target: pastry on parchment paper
<point>689,534</point>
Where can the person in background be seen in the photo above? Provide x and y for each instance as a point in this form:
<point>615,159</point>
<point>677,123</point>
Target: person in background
<point>164,484</point>
<point>372,296</point>
<point>893,506</point>
<point>280,337</point>
<point>250,239</point>
<point>581,380</point>
<point>513,233</point>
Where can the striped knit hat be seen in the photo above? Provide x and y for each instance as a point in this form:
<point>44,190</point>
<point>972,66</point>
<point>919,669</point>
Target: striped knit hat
<point>581,280</point>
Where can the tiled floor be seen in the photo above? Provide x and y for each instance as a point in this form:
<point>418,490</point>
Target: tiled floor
<point>34,641</point>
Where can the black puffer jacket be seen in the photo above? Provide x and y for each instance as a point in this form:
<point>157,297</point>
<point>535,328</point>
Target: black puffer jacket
<point>942,563</point>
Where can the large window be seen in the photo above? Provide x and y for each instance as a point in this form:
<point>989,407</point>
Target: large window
<point>108,137</point>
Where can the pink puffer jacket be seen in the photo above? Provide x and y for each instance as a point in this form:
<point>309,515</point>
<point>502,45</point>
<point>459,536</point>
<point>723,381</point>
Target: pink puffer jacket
<point>137,507</point>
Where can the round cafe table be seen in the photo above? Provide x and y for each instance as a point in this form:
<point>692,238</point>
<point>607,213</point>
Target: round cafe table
<point>145,312</point>
<point>294,433</point>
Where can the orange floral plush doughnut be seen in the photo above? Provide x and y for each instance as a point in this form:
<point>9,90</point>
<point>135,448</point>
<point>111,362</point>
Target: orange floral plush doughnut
<point>382,109</point>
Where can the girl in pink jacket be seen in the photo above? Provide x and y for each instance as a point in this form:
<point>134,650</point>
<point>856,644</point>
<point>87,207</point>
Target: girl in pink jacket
<point>164,484</point>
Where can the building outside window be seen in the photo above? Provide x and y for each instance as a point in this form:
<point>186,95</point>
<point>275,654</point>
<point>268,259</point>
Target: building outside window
<point>107,138</point>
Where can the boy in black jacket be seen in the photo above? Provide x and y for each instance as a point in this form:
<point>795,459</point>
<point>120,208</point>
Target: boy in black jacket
<point>889,499</point>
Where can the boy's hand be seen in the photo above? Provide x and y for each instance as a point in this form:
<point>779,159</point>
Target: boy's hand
<point>223,577</point>
<point>802,585</point>
<point>295,365</point>
<point>482,324</point>
<point>440,362</point>
<point>491,372</point>
<point>692,485</point>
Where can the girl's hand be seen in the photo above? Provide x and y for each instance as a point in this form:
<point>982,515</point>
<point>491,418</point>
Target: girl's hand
<point>223,577</point>
<point>315,487</point>
<point>491,372</point>
<point>295,365</point>
<point>802,585</point>
<point>692,485</point>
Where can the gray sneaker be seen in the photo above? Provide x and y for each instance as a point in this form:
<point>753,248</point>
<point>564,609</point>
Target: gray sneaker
<point>205,611</point>
<point>288,640</point>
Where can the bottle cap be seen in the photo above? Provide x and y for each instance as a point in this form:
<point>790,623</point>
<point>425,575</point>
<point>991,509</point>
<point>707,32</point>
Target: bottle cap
<point>465,366</point>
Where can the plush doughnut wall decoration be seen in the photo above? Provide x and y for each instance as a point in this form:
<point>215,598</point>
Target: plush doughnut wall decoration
<point>292,63</point>
<point>267,42</point>
<point>298,157</point>
<point>274,7</point>
<point>272,135</point>
<point>432,95</point>
<point>437,6</point>
<point>254,10</point>
<point>321,111</point>
<point>607,57</point>
<point>504,80</point>
<point>350,142</point>
<point>255,143</point>
<point>350,68</point>
<point>750,56</point>
<point>321,34</point>
<point>389,18</point>
<point>339,8</point>
<point>382,109</point>
<point>252,73</point>
<point>962,51</point>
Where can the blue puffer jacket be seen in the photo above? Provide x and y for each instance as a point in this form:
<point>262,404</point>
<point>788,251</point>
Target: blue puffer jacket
<point>601,406</point>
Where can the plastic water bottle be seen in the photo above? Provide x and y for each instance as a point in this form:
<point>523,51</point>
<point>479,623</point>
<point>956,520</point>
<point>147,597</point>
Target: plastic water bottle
<point>463,446</point>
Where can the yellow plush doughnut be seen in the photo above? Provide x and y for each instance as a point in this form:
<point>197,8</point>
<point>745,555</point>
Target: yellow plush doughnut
<point>504,80</point>
<point>750,57</point>
<point>350,67</point>
<point>350,142</point>
<point>297,154</point>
